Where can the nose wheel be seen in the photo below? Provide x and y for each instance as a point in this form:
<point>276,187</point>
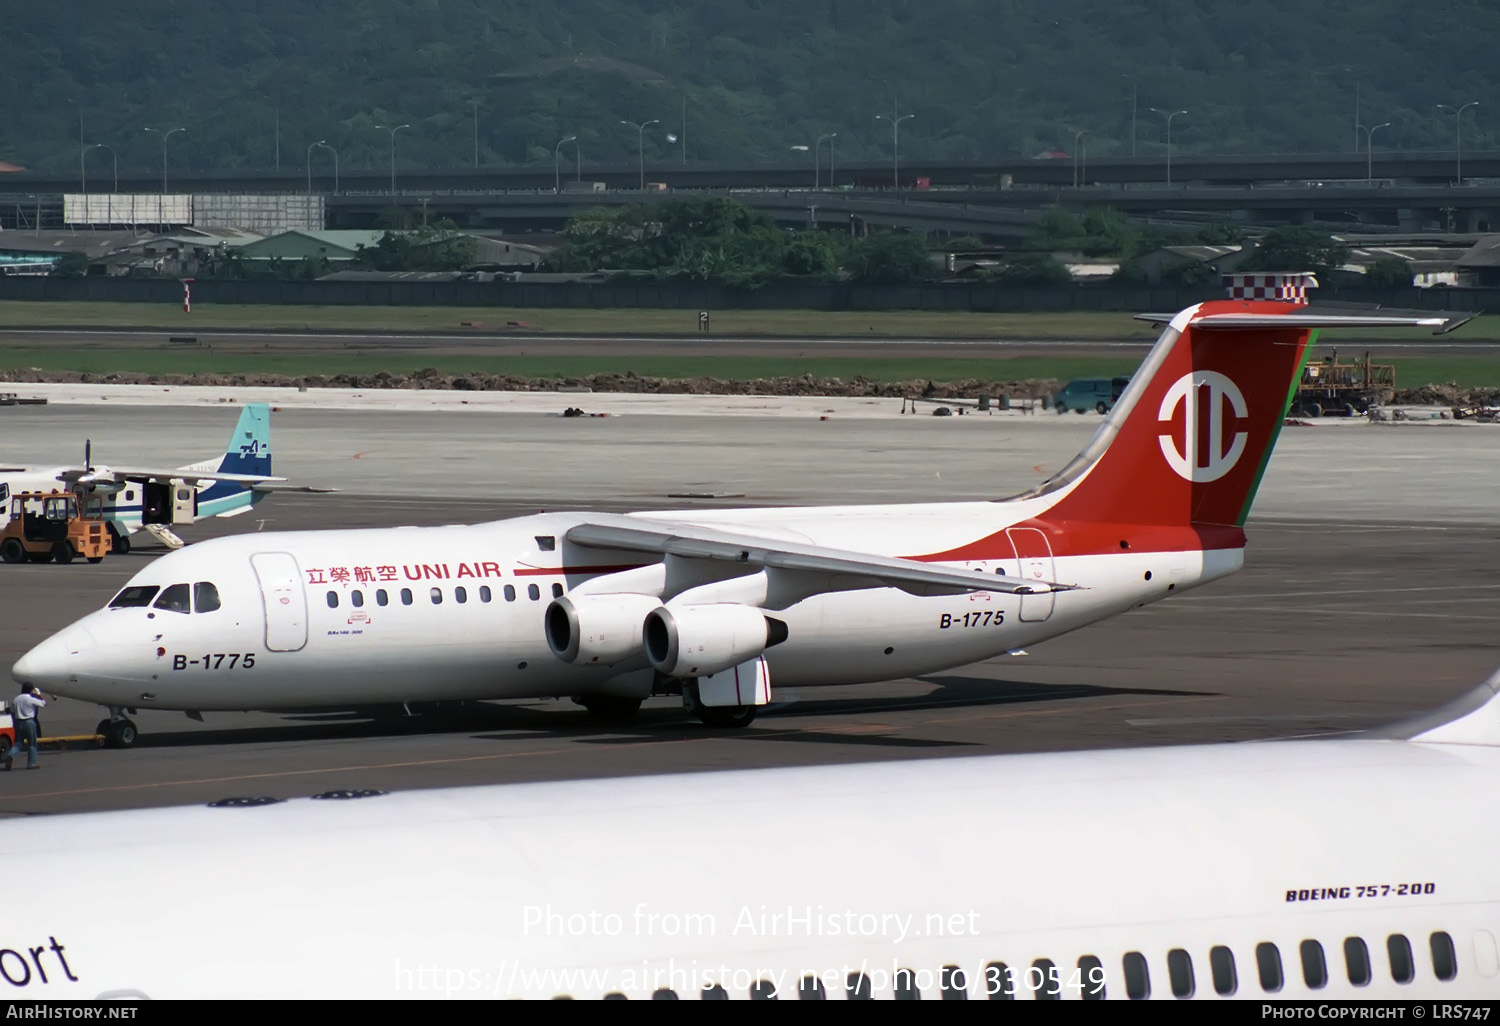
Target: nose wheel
<point>119,733</point>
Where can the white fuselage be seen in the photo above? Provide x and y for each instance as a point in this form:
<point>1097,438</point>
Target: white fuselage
<point>422,614</point>
<point>1327,862</point>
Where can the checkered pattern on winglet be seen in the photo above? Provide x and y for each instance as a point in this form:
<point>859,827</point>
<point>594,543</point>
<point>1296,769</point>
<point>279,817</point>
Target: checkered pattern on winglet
<point>1289,287</point>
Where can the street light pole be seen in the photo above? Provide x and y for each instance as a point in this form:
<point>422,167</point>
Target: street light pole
<point>320,142</point>
<point>557,162</point>
<point>164,137</point>
<point>1459,118</point>
<point>1077,142</point>
<point>1169,117</point>
<point>641,143</point>
<point>895,144</point>
<point>111,149</point>
<point>335,153</point>
<point>1370,152</point>
<point>393,132</point>
<point>831,136</point>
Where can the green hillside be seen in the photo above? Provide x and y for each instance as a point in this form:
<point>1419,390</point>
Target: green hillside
<point>747,79</point>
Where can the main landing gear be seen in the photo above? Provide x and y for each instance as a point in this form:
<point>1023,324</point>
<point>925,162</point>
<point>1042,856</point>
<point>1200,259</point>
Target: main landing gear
<point>117,731</point>
<point>728,716</point>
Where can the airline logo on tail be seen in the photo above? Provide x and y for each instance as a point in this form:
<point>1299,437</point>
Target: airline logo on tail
<point>1209,401</point>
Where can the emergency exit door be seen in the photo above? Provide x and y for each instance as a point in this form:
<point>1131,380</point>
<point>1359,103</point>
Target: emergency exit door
<point>284,599</point>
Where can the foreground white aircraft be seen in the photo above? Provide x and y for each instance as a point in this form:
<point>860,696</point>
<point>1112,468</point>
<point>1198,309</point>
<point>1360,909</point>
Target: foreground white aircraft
<point>714,605</point>
<point>141,498</point>
<point>1330,869</point>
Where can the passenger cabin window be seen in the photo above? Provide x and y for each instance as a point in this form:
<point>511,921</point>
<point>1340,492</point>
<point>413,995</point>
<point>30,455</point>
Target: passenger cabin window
<point>1137,976</point>
<point>557,590</point>
<point>546,542</point>
<point>1268,964</point>
<point>333,600</point>
<point>1314,965</point>
<point>1357,961</point>
<point>998,986</point>
<point>406,596</point>
<point>811,989</point>
<point>906,986</point>
<point>533,592</point>
<point>510,593</point>
<point>765,990</point>
<point>664,994</point>
<point>1090,978</point>
<point>953,984</point>
<point>381,598</point>
<point>1399,950</point>
<point>1047,980</point>
<point>174,599</point>
<point>714,993</point>
<point>134,596</point>
<point>205,597</point>
<point>1444,959</point>
<point>460,594</point>
<point>437,596</point>
<point>356,598</point>
<point>484,593</point>
<point>1180,973</point>
<point>1221,967</point>
<point>857,987</point>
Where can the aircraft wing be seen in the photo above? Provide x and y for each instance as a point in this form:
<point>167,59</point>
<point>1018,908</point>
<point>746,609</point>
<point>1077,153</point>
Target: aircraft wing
<point>689,541</point>
<point>118,475</point>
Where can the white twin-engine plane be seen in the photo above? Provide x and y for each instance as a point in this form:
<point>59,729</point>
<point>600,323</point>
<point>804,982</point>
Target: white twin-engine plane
<point>716,605</point>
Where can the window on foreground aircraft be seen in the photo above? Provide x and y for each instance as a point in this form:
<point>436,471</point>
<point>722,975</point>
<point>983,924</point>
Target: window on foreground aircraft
<point>1137,976</point>
<point>381,598</point>
<point>857,987</point>
<point>533,592</point>
<point>1268,961</point>
<point>205,597</point>
<point>406,596</point>
<point>1444,960</point>
<point>1091,977</point>
<point>906,986</point>
<point>1314,966</point>
<point>356,598</point>
<point>811,989</point>
<point>1399,950</point>
<point>1357,961</point>
<point>510,593</point>
<point>333,600</point>
<point>484,593</point>
<point>437,596</point>
<point>460,594</point>
<point>1180,972</point>
<point>175,599</point>
<point>1221,966</point>
<point>955,985</point>
<point>998,985</point>
<point>134,596</point>
<point>557,591</point>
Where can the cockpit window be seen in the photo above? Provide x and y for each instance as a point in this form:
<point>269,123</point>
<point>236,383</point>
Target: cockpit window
<point>205,597</point>
<point>135,595</point>
<point>174,599</point>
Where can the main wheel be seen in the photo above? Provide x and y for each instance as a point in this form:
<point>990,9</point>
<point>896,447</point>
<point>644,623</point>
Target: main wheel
<point>119,544</point>
<point>611,708</point>
<point>62,552</point>
<point>121,734</point>
<point>12,551</point>
<point>727,716</point>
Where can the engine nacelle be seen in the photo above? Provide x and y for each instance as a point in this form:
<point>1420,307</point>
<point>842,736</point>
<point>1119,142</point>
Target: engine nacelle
<point>695,641</point>
<point>598,629</point>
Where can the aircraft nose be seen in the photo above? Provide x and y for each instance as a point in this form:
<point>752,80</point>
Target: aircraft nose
<point>55,660</point>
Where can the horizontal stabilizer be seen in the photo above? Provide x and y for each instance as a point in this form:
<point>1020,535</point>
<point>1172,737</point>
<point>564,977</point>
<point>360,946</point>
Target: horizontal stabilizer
<point>629,534</point>
<point>1312,317</point>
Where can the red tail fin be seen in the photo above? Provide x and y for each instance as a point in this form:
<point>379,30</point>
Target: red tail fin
<point>1190,436</point>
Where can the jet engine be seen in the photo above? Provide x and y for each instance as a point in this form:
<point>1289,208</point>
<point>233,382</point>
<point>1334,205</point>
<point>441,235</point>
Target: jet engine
<point>695,641</point>
<point>597,629</point>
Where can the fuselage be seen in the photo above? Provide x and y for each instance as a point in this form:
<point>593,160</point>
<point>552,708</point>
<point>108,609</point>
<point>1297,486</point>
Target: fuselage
<point>1327,869</point>
<point>313,619</point>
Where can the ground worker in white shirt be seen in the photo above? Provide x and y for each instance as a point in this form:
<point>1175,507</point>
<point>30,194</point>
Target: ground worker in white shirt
<point>25,708</point>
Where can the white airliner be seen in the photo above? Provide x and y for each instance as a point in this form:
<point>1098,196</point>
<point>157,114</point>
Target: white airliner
<point>141,498</point>
<point>715,605</point>
<point>1328,869</point>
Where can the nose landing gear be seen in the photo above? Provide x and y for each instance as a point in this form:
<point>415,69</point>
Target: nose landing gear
<point>117,731</point>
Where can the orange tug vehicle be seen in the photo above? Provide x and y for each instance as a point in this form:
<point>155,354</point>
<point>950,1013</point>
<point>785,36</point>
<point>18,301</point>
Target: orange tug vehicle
<point>54,526</point>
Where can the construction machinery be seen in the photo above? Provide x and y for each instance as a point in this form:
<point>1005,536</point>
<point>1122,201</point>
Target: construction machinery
<point>1349,389</point>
